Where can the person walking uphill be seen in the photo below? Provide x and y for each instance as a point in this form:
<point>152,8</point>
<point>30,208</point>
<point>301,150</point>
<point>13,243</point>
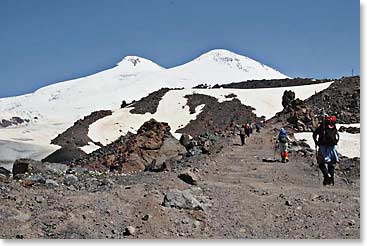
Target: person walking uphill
<point>326,137</point>
<point>282,142</point>
<point>242,134</point>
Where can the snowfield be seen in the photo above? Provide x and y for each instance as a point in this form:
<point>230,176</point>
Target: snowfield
<point>349,144</point>
<point>173,109</point>
<point>53,109</point>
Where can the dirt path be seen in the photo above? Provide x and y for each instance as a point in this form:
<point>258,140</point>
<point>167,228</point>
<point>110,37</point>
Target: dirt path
<point>255,199</point>
<point>243,197</point>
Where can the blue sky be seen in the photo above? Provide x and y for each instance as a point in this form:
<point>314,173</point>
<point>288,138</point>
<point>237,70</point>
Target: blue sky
<point>46,41</point>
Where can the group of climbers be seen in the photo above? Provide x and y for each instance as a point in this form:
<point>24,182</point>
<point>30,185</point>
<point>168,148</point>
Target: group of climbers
<point>247,129</point>
<point>325,136</point>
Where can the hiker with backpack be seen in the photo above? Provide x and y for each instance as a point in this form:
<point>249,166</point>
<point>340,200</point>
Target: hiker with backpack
<point>282,142</point>
<point>247,130</point>
<point>257,125</point>
<point>326,137</point>
<point>243,134</point>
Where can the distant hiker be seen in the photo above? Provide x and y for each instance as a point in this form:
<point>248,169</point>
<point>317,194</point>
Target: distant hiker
<point>326,137</point>
<point>251,127</point>
<point>247,130</point>
<point>257,125</point>
<point>243,134</point>
<point>283,141</point>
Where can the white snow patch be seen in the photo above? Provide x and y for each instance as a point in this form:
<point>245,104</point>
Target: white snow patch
<point>349,144</point>
<point>266,101</point>
<point>11,150</point>
<point>89,148</point>
<point>171,109</point>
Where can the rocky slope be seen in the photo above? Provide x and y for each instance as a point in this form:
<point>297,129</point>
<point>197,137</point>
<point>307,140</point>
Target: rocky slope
<point>224,195</point>
<point>271,83</point>
<point>216,117</point>
<point>152,145</point>
<point>341,99</point>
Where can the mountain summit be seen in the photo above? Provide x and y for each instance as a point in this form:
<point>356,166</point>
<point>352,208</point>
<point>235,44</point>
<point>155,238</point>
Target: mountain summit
<point>222,65</point>
<point>138,64</point>
<point>133,78</point>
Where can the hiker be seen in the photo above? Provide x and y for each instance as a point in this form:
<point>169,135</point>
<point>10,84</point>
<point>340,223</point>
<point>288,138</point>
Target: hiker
<point>282,142</point>
<point>326,137</point>
<point>247,130</point>
<point>251,127</point>
<point>243,134</point>
<point>257,125</point>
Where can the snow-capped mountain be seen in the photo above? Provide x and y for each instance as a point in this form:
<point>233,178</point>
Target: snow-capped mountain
<point>132,78</point>
<point>52,109</point>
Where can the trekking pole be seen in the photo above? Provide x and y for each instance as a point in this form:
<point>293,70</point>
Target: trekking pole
<point>275,149</point>
<point>317,165</point>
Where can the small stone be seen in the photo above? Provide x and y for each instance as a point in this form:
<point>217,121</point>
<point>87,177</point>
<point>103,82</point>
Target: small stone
<point>196,224</point>
<point>185,221</point>
<point>181,199</point>
<point>130,230</point>
<point>70,179</point>
<point>146,217</point>
<point>33,179</point>
<point>288,203</point>
<point>71,188</point>
<point>189,177</point>
<point>351,222</point>
<point>51,183</point>
<point>40,199</point>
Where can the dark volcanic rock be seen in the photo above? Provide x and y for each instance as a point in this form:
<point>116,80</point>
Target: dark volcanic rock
<point>341,99</point>
<point>149,104</point>
<point>13,121</point>
<point>65,155</point>
<point>216,117</point>
<point>288,97</point>
<point>189,177</point>
<point>22,166</point>
<point>351,129</point>
<point>297,113</point>
<point>4,171</point>
<point>185,141</point>
<point>151,148</point>
<point>271,83</point>
<point>77,135</point>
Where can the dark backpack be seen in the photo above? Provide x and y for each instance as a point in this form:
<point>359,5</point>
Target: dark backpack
<point>330,136</point>
<point>283,138</point>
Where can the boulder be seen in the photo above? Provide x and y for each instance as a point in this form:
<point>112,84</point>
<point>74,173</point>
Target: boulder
<point>4,172</point>
<point>189,177</point>
<point>22,166</point>
<point>130,230</point>
<point>33,179</point>
<point>65,155</point>
<point>185,140</point>
<point>70,179</point>
<point>181,199</point>
<point>153,148</point>
<point>287,98</point>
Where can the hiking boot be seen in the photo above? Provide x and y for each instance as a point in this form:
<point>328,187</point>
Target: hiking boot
<point>326,181</point>
<point>331,182</point>
<point>283,160</point>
